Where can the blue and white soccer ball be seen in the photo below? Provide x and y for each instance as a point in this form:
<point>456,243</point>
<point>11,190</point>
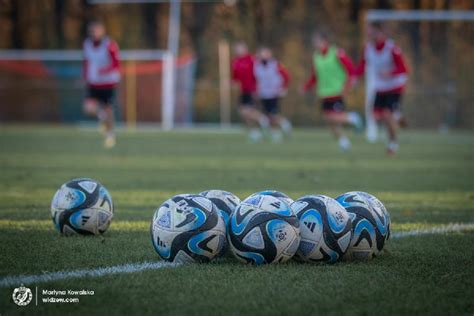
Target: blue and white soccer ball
<point>279,195</point>
<point>82,206</point>
<point>226,204</point>
<point>325,228</point>
<point>188,228</point>
<point>263,229</point>
<point>370,224</point>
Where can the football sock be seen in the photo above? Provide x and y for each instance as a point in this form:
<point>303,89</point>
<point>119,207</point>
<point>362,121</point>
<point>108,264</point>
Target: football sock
<point>392,146</point>
<point>354,119</point>
<point>255,135</point>
<point>285,126</point>
<point>264,122</point>
<point>344,143</point>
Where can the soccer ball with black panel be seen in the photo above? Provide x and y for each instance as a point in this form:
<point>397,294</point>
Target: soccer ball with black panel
<point>188,228</point>
<point>226,204</point>
<point>263,229</point>
<point>370,224</point>
<point>82,206</point>
<point>279,195</point>
<point>325,229</point>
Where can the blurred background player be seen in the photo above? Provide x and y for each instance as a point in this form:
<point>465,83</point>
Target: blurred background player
<point>272,84</point>
<point>332,74</point>
<point>102,74</point>
<point>242,72</point>
<point>385,61</point>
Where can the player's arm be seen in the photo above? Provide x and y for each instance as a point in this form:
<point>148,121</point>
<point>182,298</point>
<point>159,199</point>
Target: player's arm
<point>113,49</point>
<point>399,62</point>
<point>310,82</point>
<point>359,69</point>
<point>233,71</point>
<point>285,75</point>
<point>348,67</point>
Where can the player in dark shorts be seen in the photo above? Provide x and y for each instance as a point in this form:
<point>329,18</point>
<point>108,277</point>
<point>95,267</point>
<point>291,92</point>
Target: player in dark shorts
<point>102,75</point>
<point>272,84</point>
<point>384,60</point>
<point>332,72</point>
<point>104,96</point>
<point>387,101</point>
<point>242,73</point>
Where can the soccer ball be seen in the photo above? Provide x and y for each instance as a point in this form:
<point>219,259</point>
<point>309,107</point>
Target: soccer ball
<point>188,228</point>
<point>82,206</point>
<point>325,229</point>
<point>263,229</point>
<point>370,224</point>
<point>226,204</point>
<point>279,195</point>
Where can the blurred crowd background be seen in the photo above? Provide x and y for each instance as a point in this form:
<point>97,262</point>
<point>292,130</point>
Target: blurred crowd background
<point>439,54</point>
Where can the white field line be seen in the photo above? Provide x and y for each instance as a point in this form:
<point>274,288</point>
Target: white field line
<point>9,281</point>
<point>449,228</point>
<point>85,273</point>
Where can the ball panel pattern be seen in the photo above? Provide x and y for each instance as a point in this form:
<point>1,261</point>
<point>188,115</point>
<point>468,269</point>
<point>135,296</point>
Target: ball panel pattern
<point>82,206</point>
<point>187,228</point>
<point>325,229</point>
<point>370,224</point>
<point>263,229</point>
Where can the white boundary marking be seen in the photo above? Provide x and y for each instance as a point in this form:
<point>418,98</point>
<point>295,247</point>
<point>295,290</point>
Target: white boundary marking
<point>138,267</point>
<point>449,228</point>
<point>91,273</point>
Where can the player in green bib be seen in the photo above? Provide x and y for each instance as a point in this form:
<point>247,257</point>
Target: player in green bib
<point>332,74</point>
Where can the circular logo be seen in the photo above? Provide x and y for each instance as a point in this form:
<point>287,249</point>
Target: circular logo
<point>22,296</point>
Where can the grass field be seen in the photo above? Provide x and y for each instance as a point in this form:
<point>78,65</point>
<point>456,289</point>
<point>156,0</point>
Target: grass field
<point>430,183</point>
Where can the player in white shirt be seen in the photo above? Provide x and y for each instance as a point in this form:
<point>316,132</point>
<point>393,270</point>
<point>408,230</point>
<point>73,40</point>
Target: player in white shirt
<point>101,72</point>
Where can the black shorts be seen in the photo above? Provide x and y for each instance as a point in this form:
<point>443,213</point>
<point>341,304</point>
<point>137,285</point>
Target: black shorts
<point>336,105</point>
<point>246,99</point>
<point>270,106</point>
<point>102,95</point>
<point>387,101</point>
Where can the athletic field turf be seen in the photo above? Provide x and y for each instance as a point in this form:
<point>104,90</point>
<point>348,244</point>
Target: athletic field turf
<point>430,184</point>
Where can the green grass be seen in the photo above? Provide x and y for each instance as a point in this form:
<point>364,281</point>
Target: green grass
<point>430,183</point>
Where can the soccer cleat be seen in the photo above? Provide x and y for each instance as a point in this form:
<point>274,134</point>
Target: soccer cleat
<point>286,126</point>
<point>255,135</point>
<point>356,120</point>
<point>109,141</point>
<point>392,148</point>
<point>263,122</point>
<point>344,144</point>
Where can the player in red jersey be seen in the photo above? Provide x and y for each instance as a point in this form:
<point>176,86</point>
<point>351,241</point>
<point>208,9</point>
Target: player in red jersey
<point>385,63</point>
<point>243,74</point>
<point>101,72</point>
<point>332,74</point>
<point>272,84</point>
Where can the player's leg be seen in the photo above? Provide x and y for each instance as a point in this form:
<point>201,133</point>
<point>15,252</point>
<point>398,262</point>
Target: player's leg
<point>90,105</point>
<point>106,116</point>
<point>384,113</point>
<point>253,119</point>
<point>271,109</point>
<point>397,110</point>
<point>336,117</point>
<point>335,122</point>
<point>283,123</point>
<point>392,118</point>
